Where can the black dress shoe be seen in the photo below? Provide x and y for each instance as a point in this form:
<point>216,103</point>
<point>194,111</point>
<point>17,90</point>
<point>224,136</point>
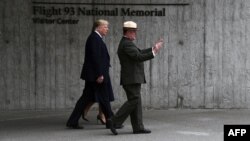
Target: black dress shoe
<point>115,126</point>
<point>143,131</point>
<point>110,124</point>
<point>74,126</point>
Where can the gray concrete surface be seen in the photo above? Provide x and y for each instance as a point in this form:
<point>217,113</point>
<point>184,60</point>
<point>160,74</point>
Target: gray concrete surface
<point>166,125</point>
<point>205,61</point>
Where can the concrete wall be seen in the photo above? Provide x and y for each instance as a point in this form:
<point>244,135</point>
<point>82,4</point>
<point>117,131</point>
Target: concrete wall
<point>205,62</point>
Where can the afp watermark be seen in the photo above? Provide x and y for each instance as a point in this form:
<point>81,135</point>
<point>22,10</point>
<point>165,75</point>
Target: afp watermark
<point>236,132</point>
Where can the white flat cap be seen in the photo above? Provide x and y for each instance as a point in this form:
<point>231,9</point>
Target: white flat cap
<point>130,24</point>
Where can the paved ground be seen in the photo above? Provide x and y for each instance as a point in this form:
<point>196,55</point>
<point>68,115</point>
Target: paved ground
<point>166,125</point>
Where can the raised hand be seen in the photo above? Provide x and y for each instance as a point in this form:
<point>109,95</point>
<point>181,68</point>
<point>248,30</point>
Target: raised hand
<point>158,45</point>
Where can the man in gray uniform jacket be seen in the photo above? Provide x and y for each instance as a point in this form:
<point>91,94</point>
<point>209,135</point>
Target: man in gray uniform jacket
<point>132,76</point>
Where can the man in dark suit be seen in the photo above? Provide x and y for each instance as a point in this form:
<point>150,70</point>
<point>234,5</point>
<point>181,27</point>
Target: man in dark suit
<point>132,76</point>
<point>95,72</point>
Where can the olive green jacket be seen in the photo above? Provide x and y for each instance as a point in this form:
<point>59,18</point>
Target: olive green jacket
<point>131,60</point>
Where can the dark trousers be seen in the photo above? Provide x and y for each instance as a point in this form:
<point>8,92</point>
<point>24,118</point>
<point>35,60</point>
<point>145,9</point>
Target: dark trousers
<point>132,107</point>
<point>91,88</point>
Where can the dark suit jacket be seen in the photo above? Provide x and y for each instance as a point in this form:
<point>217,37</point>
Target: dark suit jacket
<point>96,63</point>
<point>97,60</point>
<point>131,60</point>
